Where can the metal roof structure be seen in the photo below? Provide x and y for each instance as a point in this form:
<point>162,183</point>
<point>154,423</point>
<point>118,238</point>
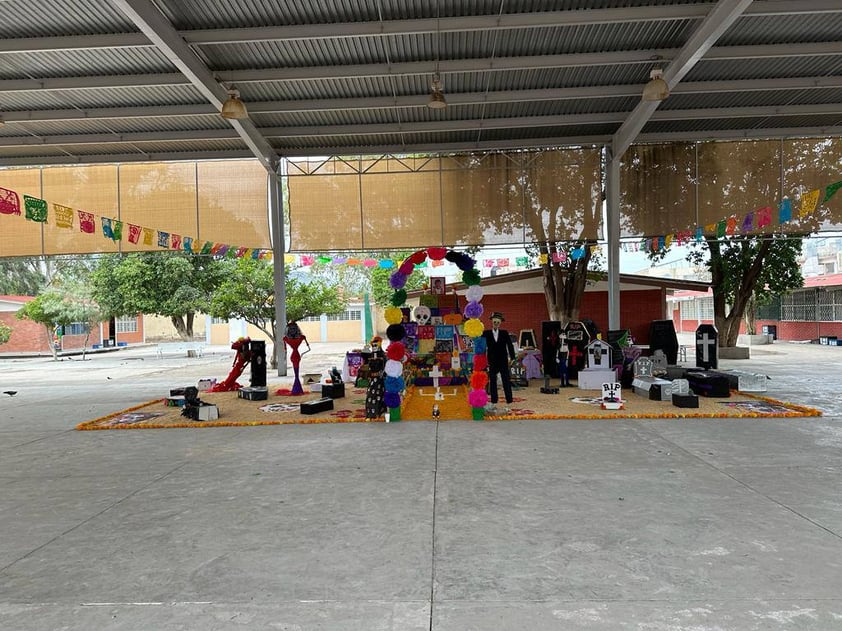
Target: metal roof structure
<point>86,81</point>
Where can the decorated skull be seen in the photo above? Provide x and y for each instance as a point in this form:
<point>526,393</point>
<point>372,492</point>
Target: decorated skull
<point>423,315</point>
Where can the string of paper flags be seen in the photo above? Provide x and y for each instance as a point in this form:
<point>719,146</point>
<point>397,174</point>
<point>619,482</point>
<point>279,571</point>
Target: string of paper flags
<point>38,210</point>
<point>733,225</point>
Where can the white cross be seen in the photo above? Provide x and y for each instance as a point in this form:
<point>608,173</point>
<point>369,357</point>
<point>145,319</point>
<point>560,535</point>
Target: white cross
<point>435,373</point>
<point>706,342</point>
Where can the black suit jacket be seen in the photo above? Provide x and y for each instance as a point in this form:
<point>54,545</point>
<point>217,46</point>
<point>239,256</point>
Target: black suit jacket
<point>500,351</point>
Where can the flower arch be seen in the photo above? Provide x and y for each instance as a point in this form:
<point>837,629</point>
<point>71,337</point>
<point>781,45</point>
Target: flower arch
<point>473,327</point>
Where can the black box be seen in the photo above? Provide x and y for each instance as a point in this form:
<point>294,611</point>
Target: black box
<point>317,405</point>
<point>685,400</point>
<point>253,394</point>
<point>333,390</point>
<point>709,384</point>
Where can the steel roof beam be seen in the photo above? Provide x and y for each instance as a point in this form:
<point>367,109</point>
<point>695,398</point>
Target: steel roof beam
<point>344,30</point>
<point>698,44</point>
<point>149,19</point>
<point>318,131</point>
<point>420,101</point>
<point>415,68</point>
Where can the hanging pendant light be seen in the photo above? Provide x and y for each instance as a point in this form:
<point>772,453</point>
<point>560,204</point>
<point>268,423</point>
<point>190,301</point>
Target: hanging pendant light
<point>657,89</point>
<point>234,108</point>
<point>437,100</point>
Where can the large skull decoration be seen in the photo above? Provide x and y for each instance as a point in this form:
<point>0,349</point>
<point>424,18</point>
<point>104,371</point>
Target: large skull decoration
<point>423,315</point>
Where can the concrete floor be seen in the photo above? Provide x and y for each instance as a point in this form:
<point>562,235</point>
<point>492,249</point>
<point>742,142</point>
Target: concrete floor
<point>679,525</point>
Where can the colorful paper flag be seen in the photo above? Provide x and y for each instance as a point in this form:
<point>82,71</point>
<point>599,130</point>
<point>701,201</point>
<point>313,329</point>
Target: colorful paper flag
<point>809,201</point>
<point>107,231</point>
<point>764,216</point>
<point>308,259</point>
<point>36,209</point>
<point>175,241</point>
<point>163,239</point>
<point>147,236</point>
<point>117,230</point>
<point>63,215</point>
<point>830,190</point>
<point>542,259</point>
<point>86,222</point>
<point>721,227</point>
<point>134,233</point>
<point>187,244</point>
<point>785,210</point>
<point>9,202</point>
<point>522,261</point>
<point>748,223</point>
<point>207,248</point>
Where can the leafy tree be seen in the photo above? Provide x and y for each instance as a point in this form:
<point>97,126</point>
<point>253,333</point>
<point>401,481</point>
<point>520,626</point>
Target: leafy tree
<point>248,292</point>
<point>5,333</point>
<point>381,291</point>
<point>745,270</point>
<point>735,177</point>
<point>61,307</point>
<point>21,277</point>
<point>171,284</point>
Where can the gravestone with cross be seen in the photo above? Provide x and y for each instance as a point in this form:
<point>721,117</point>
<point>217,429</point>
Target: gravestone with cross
<point>578,337</point>
<point>707,346</point>
<point>599,369</point>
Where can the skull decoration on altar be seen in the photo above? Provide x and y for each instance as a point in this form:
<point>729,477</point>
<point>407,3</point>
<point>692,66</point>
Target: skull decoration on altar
<point>422,315</point>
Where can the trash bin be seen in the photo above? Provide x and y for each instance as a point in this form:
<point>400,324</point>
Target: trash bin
<point>771,329</point>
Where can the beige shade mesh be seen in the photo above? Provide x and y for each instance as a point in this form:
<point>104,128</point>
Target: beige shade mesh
<point>17,235</point>
<point>217,201</point>
<point>325,212</point>
<point>736,178</point>
<point>658,189</point>
<point>91,189</point>
<point>401,210</point>
<point>233,201</point>
<point>809,165</point>
<point>472,200</point>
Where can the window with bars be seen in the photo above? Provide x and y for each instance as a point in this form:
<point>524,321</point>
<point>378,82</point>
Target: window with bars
<point>125,324</point>
<point>76,328</point>
<point>348,314</point>
<point>687,309</point>
<point>704,308</point>
<point>799,306</point>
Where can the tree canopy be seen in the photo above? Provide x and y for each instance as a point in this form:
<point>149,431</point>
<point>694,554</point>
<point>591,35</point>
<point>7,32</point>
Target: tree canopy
<point>170,284</point>
<point>248,292</point>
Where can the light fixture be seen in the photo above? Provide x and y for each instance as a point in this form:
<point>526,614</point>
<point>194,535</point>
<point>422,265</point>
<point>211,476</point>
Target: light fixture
<point>437,100</point>
<point>657,89</point>
<point>234,107</point>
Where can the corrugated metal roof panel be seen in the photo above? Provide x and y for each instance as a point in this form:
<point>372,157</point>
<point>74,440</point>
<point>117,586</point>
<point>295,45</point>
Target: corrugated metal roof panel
<point>82,62</point>
<point>28,18</point>
<point>126,97</point>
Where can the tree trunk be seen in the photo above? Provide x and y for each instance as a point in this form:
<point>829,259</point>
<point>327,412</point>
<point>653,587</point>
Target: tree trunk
<point>180,327</point>
<point>564,286</point>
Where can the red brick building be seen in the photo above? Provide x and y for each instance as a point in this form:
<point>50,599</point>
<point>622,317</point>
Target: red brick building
<point>31,337</point>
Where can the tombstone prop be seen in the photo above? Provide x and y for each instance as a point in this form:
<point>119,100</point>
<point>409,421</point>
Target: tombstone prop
<point>645,384</point>
<point>550,332</point>
<point>682,396</point>
<point>707,346</point>
<point>599,369</point>
<point>578,337</point>
<point>662,336</point>
<point>258,363</point>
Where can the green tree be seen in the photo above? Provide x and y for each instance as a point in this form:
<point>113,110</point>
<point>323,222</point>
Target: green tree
<point>745,270</point>
<point>72,303</point>
<point>21,277</point>
<point>5,333</point>
<point>171,284</point>
<point>248,292</point>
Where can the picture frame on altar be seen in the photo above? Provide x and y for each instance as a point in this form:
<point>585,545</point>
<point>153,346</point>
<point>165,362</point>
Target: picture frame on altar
<point>526,338</point>
<point>438,285</point>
